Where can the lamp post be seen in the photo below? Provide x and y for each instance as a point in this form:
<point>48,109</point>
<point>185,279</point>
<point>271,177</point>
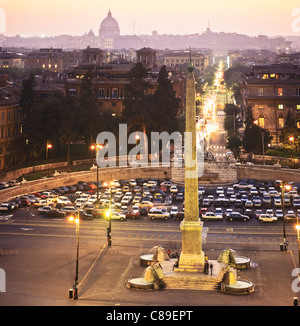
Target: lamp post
<point>108,215</point>
<point>284,186</point>
<point>75,286</point>
<point>48,146</point>
<point>96,148</point>
<point>298,238</point>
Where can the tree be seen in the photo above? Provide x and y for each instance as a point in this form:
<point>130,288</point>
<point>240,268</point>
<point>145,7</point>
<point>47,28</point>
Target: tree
<point>234,143</point>
<point>136,102</point>
<point>254,137</point>
<point>290,134</point>
<point>28,100</point>
<point>231,122</point>
<point>89,113</point>
<point>166,105</point>
<point>68,131</point>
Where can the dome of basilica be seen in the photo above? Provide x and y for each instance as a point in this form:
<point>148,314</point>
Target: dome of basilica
<point>109,27</point>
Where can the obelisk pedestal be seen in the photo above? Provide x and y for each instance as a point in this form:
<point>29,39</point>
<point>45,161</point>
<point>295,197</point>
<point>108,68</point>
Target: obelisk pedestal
<point>192,257</point>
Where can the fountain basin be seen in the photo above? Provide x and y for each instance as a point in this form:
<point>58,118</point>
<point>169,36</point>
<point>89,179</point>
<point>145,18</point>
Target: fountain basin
<point>240,287</point>
<point>140,284</point>
<point>241,262</point>
<point>146,260</point>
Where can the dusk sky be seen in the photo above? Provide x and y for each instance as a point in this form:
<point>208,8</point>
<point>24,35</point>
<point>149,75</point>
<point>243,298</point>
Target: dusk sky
<point>76,17</point>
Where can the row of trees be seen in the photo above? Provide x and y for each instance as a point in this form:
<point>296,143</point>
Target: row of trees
<point>64,119</point>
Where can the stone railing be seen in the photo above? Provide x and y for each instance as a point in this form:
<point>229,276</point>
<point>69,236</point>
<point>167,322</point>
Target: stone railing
<point>64,179</point>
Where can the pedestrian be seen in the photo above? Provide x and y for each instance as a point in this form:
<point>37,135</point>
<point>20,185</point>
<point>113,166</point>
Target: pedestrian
<point>211,268</point>
<point>206,265</point>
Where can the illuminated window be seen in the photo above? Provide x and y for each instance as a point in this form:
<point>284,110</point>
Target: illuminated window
<point>280,92</point>
<point>44,66</point>
<point>280,106</point>
<point>261,107</point>
<point>260,92</point>
<point>261,121</point>
<point>265,76</point>
<point>280,122</point>
<point>298,106</point>
<point>272,75</point>
<point>298,124</point>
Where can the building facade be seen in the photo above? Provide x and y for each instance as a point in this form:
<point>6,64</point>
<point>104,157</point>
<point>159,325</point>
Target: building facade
<point>272,91</point>
<point>11,153</point>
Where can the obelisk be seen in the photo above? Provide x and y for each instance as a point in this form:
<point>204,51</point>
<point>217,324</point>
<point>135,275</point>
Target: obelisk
<point>192,256</point>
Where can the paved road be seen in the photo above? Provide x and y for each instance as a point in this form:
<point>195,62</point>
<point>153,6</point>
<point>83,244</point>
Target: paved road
<point>38,256</point>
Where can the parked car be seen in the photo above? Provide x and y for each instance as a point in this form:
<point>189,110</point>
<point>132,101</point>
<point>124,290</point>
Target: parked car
<point>13,183</point>
<point>55,213</point>
<point>6,207</point>
<point>44,209</point>
<point>173,211</point>
<point>158,213</point>
<point>69,210</point>
<point>179,216</point>
<point>235,216</point>
<point>267,218</point>
<point>279,214</point>
<point>132,214</point>
<point>208,216</point>
<point>291,218</point>
<point>84,215</point>
<point>117,216</point>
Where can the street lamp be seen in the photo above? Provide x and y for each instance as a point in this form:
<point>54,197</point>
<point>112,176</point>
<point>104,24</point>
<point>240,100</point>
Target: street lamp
<point>96,148</point>
<point>75,286</point>
<point>284,186</point>
<point>108,215</point>
<point>48,146</point>
<point>298,238</point>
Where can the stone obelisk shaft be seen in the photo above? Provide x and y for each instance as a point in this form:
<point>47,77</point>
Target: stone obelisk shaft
<point>192,256</point>
<point>191,173</point>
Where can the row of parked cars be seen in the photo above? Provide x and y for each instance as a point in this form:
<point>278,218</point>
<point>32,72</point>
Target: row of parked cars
<point>162,199</point>
<point>127,199</point>
<point>248,199</point>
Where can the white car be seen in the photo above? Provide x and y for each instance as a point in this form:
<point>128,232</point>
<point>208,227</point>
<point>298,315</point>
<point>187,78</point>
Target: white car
<point>125,200</point>
<point>151,183</point>
<point>219,212</point>
<point>69,209</point>
<point>277,203</point>
<point>13,183</point>
<point>267,218</point>
<point>211,216</point>
<point>44,209</point>
<point>135,208</point>
<point>64,200</point>
<point>173,211</point>
<point>5,207</point>
<point>117,216</point>
<point>174,189</point>
<point>132,182</point>
<point>41,203</point>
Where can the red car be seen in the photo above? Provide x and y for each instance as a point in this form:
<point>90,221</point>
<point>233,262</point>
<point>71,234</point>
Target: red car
<point>131,214</point>
<point>203,210</point>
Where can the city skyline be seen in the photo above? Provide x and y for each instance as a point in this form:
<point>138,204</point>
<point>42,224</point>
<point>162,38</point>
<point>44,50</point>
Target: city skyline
<point>43,18</point>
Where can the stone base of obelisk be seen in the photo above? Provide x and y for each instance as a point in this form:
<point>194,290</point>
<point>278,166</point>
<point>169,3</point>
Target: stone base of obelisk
<point>192,257</point>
